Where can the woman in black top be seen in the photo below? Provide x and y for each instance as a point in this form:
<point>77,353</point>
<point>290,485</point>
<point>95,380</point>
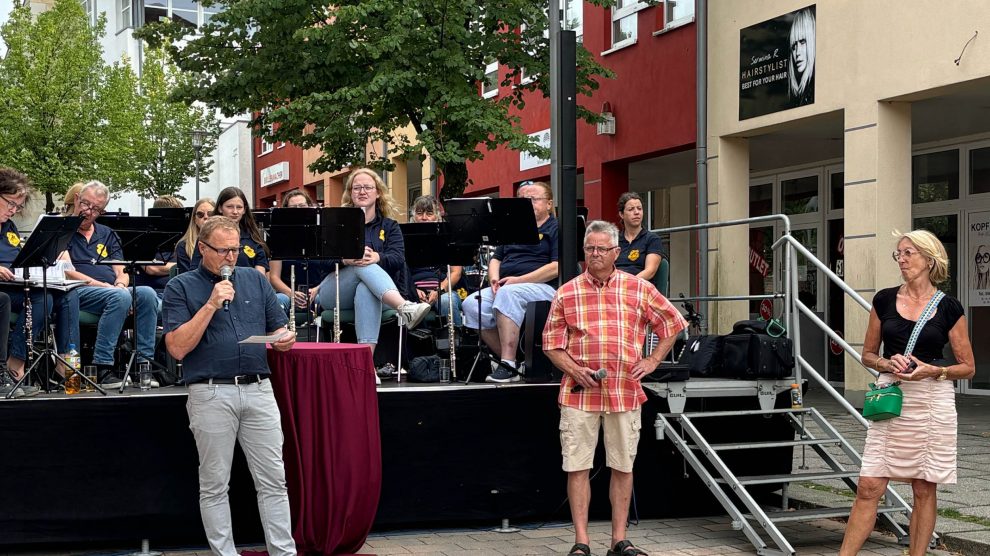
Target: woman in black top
<point>919,446</point>
<point>640,250</point>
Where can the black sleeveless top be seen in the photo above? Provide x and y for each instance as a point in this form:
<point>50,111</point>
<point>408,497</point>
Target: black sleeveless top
<point>895,329</point>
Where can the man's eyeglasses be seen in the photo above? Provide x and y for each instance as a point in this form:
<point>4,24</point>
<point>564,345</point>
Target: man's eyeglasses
<point>86,205</point>
<point>595,250</point>
<point>907,254</point>
<point>202,214</point>
<point>984,258</point>
<point>223,252</point>
<point>12,204</point>
<point>362,187</point>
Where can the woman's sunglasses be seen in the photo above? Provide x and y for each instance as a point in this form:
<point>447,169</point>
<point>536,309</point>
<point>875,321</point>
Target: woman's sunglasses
<point>202,214</point>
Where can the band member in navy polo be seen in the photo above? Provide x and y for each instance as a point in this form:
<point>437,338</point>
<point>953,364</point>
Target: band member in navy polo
<point>230,395</point>
<point>108,293</point>
<point>640,250</point>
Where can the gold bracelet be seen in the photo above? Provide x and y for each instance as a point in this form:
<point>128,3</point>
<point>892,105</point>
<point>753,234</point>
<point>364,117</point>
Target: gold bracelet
<point>876,364</point>
<point>944,374</point>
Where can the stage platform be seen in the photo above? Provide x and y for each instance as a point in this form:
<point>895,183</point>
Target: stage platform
<point>95,469</point>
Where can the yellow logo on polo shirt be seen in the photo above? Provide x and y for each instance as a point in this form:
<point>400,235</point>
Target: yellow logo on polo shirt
<point>541,237</point>
<point>13,239</point>
<point>101,250</point>
<point>634,255</point>
<point>381,234</point>
<point>249,252</point>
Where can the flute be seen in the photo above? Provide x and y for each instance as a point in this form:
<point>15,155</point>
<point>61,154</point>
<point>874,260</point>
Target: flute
<point>336,305</point>
<point>451,340</point>
<point>292,300</point>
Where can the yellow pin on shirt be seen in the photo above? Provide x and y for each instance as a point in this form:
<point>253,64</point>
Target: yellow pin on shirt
<point>249,252</point>
<point>634,255</point>
<point>381,234</point>
<point>541,237</point>
<point>101,250</point>
<point>13,239</point>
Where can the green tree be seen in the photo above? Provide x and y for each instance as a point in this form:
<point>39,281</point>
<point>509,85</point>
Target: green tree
<point>58,119</point>
<point>164,154</point>
<point>336,75</point>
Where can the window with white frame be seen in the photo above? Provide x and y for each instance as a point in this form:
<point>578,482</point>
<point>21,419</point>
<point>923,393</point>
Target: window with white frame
<point>677,12</point>
<point>489,87</point>
<point>573,17</point>
<point>624,20</point>
<point>90,7</point>
<point>185,12</point>
<point>125,12</point>
<point>267,147</point>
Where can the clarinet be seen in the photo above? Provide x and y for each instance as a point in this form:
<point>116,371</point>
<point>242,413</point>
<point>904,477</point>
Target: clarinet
<point>451,339</point>
<point>292,300</point>
<point>336,305</point>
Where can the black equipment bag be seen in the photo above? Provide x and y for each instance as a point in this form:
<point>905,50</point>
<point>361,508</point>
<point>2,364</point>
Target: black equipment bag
<point>702,355</point>
<point>669,372</point>
<point>425,368</point>
<point>751,356</point>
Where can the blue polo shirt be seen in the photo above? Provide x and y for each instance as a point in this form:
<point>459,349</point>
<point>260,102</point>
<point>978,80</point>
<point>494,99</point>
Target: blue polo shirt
<point>252,254</point>
<point>103,244</point>
<point>516,260</point>
<point>10,243</point>
<point>632,254</point>
<point>254,311</point>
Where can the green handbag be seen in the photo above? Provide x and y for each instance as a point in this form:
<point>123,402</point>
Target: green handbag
<point>883,403</point>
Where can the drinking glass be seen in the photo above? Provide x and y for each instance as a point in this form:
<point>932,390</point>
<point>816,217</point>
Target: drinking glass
<point>89,371</point>
<point>144,375</point>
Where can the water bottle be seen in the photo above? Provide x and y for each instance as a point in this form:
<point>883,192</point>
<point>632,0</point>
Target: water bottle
<point>72,380</point>
<point>796,401</point>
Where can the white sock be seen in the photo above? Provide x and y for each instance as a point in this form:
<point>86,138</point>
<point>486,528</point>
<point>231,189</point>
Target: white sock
<point>508,363</point>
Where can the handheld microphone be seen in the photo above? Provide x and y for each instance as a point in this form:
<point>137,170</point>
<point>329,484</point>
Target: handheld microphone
<point>225,272</point>
<point>598,376</point>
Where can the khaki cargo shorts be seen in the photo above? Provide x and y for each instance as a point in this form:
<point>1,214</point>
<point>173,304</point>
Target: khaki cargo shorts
<point>579,438</point>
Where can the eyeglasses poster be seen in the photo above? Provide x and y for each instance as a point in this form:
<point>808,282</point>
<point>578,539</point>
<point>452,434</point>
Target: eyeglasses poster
<point>979,255</point>
<point>777,64</point>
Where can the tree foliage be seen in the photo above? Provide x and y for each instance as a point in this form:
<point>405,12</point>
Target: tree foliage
<point>336,75</point>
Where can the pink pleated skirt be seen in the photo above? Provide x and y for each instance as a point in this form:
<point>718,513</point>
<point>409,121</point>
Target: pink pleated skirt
<point>921,443</point>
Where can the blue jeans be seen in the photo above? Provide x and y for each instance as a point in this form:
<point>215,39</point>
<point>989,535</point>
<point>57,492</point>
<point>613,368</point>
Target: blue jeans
<point>283,302</point>
<point>361,289</point>
<point>445,307</point>
<point>219,416</point>
<point>112,304</point>
<point>64,307</point>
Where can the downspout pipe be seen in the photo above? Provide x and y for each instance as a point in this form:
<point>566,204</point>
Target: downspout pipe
<point>701,148</point>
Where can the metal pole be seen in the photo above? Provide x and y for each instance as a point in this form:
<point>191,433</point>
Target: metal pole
<point>197,174</point>
<point>701,143</point>
<point>556,172</point>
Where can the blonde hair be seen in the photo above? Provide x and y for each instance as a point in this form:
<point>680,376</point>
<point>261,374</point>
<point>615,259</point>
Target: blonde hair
<point>932,249</point>
<point>192,232</point>
<point>69,199</point>
<point>384,204</point>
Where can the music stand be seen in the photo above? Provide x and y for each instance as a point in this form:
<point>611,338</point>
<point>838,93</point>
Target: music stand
<point>141,239</point>
<point>49,239</point>
<point>474,222</point>
<point>429,244</point>
<point>181,213</point>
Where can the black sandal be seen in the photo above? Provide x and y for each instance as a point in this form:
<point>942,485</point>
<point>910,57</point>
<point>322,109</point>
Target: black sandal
<point>580,549</point>
<point>626,548</point>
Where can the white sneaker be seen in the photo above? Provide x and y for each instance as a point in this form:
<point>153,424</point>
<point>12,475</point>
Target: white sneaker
<point>413,313</point>
<point>378,381</point>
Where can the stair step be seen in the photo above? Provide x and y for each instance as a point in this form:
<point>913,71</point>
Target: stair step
<point>743,412</point>
<point>775,444</point>
<point>791,477</point>
<point>818,513</point>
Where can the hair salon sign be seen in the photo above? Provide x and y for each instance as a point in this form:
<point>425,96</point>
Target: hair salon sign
<point>777,64</point>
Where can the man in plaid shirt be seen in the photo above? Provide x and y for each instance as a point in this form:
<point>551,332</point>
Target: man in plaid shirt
<point>599,321</point>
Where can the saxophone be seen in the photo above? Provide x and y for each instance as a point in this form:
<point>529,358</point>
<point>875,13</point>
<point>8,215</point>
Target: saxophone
<point>292,299</point>
<point>336,305</point>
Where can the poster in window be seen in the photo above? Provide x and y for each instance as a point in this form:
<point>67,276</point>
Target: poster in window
<point>777,64</point>
<point>979,256</point>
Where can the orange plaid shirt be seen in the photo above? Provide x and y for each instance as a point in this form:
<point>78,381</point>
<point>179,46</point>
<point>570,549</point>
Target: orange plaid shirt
<point>603,326</point>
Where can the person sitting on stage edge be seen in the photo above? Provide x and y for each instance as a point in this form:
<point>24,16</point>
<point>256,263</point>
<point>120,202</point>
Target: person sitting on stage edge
<point>518,274</point>
<point>14,192</point>
<point>107,292</point>
<point>368,282</point>
<point>309,274</point>
<point>230,394</point>
<point>429,280</point>
<point>599,321</point>
<point>640,250</point>
<point>185,248</point>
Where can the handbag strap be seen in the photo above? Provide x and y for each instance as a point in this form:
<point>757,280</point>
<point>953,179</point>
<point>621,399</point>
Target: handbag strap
<point>922,320</point>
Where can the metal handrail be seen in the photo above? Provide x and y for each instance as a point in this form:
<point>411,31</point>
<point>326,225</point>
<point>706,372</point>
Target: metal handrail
<point>825,269</point>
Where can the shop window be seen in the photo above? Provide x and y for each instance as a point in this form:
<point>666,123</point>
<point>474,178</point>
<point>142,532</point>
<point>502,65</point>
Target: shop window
<point>837,190</point>
<point>489,87</point>
<point>761,200</point>
<point>935,177</point>
<point>800,195</point>
<point>979,170</point>
<point>624,21</point>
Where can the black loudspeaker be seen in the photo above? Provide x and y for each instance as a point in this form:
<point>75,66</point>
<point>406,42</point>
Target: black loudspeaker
<point>538,366</point>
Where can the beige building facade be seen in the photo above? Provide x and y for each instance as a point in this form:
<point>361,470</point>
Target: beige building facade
<point>895,134</point>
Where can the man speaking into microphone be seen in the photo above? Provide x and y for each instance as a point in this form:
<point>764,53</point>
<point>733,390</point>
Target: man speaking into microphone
<point>206,312</point>
<point>598,321</point>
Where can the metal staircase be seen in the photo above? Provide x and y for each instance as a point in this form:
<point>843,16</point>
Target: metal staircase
<point>811,429</point>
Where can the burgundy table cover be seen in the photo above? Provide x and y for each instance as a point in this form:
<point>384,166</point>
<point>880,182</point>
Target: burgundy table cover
<point>332,450</point>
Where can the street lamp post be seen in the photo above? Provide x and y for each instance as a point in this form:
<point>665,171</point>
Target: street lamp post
<point>198,138</point>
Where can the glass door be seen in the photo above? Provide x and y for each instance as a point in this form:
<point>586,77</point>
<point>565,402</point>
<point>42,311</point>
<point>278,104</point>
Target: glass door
<point>977,295</point>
